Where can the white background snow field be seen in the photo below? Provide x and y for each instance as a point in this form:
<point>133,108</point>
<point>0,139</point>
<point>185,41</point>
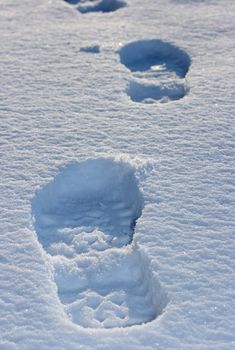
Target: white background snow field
<point>117,175</point>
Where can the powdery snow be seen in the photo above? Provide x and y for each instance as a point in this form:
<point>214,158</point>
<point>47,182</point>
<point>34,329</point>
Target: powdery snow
<point>117,175</point>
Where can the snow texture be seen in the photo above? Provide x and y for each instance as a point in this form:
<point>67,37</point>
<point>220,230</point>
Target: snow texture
<point>117,210</point>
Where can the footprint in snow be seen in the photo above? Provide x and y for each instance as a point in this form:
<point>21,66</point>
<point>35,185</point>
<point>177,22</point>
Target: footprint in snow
<point>86,6</point>
<point>90,49</point>
<point>158,70</point>
<point>85,220</point>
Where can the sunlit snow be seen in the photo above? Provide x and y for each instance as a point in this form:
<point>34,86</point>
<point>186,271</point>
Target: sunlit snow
<point>117,175</point>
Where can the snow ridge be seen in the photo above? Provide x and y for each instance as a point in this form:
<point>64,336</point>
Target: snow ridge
<point>158,70</point>
<point>85,220</point>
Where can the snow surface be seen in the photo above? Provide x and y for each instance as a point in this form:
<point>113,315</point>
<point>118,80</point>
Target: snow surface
<point>117,210</point>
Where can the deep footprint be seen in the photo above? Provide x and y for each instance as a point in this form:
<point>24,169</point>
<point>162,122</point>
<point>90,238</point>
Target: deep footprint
<point>85,219</point>
<point>158,70</point>
<point>87,6</point>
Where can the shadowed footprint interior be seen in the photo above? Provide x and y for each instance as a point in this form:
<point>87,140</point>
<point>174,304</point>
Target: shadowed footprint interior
<point>85,219</point>
<point>158,70</point>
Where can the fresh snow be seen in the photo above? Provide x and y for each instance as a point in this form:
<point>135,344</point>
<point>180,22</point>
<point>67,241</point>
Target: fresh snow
<point>117,175</point>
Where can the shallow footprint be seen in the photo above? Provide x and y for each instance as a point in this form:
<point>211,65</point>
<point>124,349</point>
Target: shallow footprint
<point>158,70</point>
<point>101,6</point>
<point>86,6</point>
<point>72,2</point>
<point>85,220</point>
